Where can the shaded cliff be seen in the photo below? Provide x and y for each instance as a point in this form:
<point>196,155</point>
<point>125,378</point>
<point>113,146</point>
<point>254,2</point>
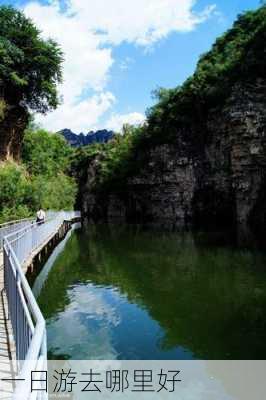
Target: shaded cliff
<point>200,160</point>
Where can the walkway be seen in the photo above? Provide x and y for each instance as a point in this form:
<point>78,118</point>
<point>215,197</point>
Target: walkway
<point>22,245</point>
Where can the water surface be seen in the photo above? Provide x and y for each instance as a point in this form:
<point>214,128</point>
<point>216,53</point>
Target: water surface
<point>119,292</point>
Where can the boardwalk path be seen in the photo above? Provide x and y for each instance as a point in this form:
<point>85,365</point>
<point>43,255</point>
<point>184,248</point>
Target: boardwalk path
<point>7,345</point>
<point>51,232</point>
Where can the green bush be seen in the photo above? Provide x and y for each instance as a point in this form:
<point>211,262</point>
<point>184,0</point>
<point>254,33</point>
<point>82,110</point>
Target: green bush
<point>39,180</point>
<point>56,193</point>
<point>15,187</point>
<point>12,214</point>
<point>45,153</point>
<point>14,184</point>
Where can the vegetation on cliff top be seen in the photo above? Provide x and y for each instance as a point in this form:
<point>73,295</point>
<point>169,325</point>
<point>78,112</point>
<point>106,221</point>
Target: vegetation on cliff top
<point>237,56</point>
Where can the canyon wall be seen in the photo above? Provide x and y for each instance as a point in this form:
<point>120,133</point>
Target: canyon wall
<point>211,175</point>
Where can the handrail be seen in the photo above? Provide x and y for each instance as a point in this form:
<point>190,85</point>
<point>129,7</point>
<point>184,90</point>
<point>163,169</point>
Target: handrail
<point>12,226</point>
<point>27,320</point>
<point>13,222</point>
<point>38,335</point>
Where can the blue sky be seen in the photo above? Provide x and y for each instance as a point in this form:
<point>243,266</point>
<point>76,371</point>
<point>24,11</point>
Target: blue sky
<point>118,51</point>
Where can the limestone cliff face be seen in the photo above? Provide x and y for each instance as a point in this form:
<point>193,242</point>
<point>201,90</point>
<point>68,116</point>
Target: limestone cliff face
<point>212,175</point>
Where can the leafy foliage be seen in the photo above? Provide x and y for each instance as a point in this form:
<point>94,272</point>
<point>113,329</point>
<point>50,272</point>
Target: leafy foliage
<point>55,192</point>
<point>30,67</point>
<point>14,185</point>
<point>44,153</point>
<point>238,55</point>
<point>40,180</point>
<point>114,161</point>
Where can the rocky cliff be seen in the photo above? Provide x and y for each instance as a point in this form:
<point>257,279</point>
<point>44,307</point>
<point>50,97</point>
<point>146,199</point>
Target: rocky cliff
<point>211,170</point>
<point>210,176</point>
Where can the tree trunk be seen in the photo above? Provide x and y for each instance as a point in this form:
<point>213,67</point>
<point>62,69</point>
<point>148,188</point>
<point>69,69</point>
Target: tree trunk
<point>12,128</point>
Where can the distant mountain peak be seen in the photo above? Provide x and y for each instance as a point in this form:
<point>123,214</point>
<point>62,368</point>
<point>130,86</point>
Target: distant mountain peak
<point>81,139</point>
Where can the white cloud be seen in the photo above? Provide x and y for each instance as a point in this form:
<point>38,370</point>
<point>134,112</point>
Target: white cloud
<point>117,121</point>
<point>79,117</point>
<point>86,63</point>
<point>84,28</point>
<point>140,21</point>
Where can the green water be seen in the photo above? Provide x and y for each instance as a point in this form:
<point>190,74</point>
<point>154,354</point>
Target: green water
<point>124,293</point>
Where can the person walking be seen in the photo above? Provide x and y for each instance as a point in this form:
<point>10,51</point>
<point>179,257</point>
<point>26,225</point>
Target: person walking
<point>40,216</point>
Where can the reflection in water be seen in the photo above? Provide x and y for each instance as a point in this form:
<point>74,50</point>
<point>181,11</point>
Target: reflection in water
<point>123,293</point>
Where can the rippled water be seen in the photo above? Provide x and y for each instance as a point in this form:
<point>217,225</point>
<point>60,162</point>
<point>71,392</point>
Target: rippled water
<point>123,293</point>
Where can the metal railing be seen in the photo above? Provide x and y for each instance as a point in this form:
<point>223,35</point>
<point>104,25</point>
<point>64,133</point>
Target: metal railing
<point>16,225</point>
<point>26,318</point>
<point>13,226</point>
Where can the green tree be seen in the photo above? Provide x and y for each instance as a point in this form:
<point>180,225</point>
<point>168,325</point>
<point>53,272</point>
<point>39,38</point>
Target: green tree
<point>45,153</point>
<point>30,69</point>
<point>56,193</point>
<point>15,189</point>
<point>40,180</point>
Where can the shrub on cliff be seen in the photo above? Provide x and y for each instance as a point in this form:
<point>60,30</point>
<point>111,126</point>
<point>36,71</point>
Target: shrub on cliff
<point>113,161</point>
